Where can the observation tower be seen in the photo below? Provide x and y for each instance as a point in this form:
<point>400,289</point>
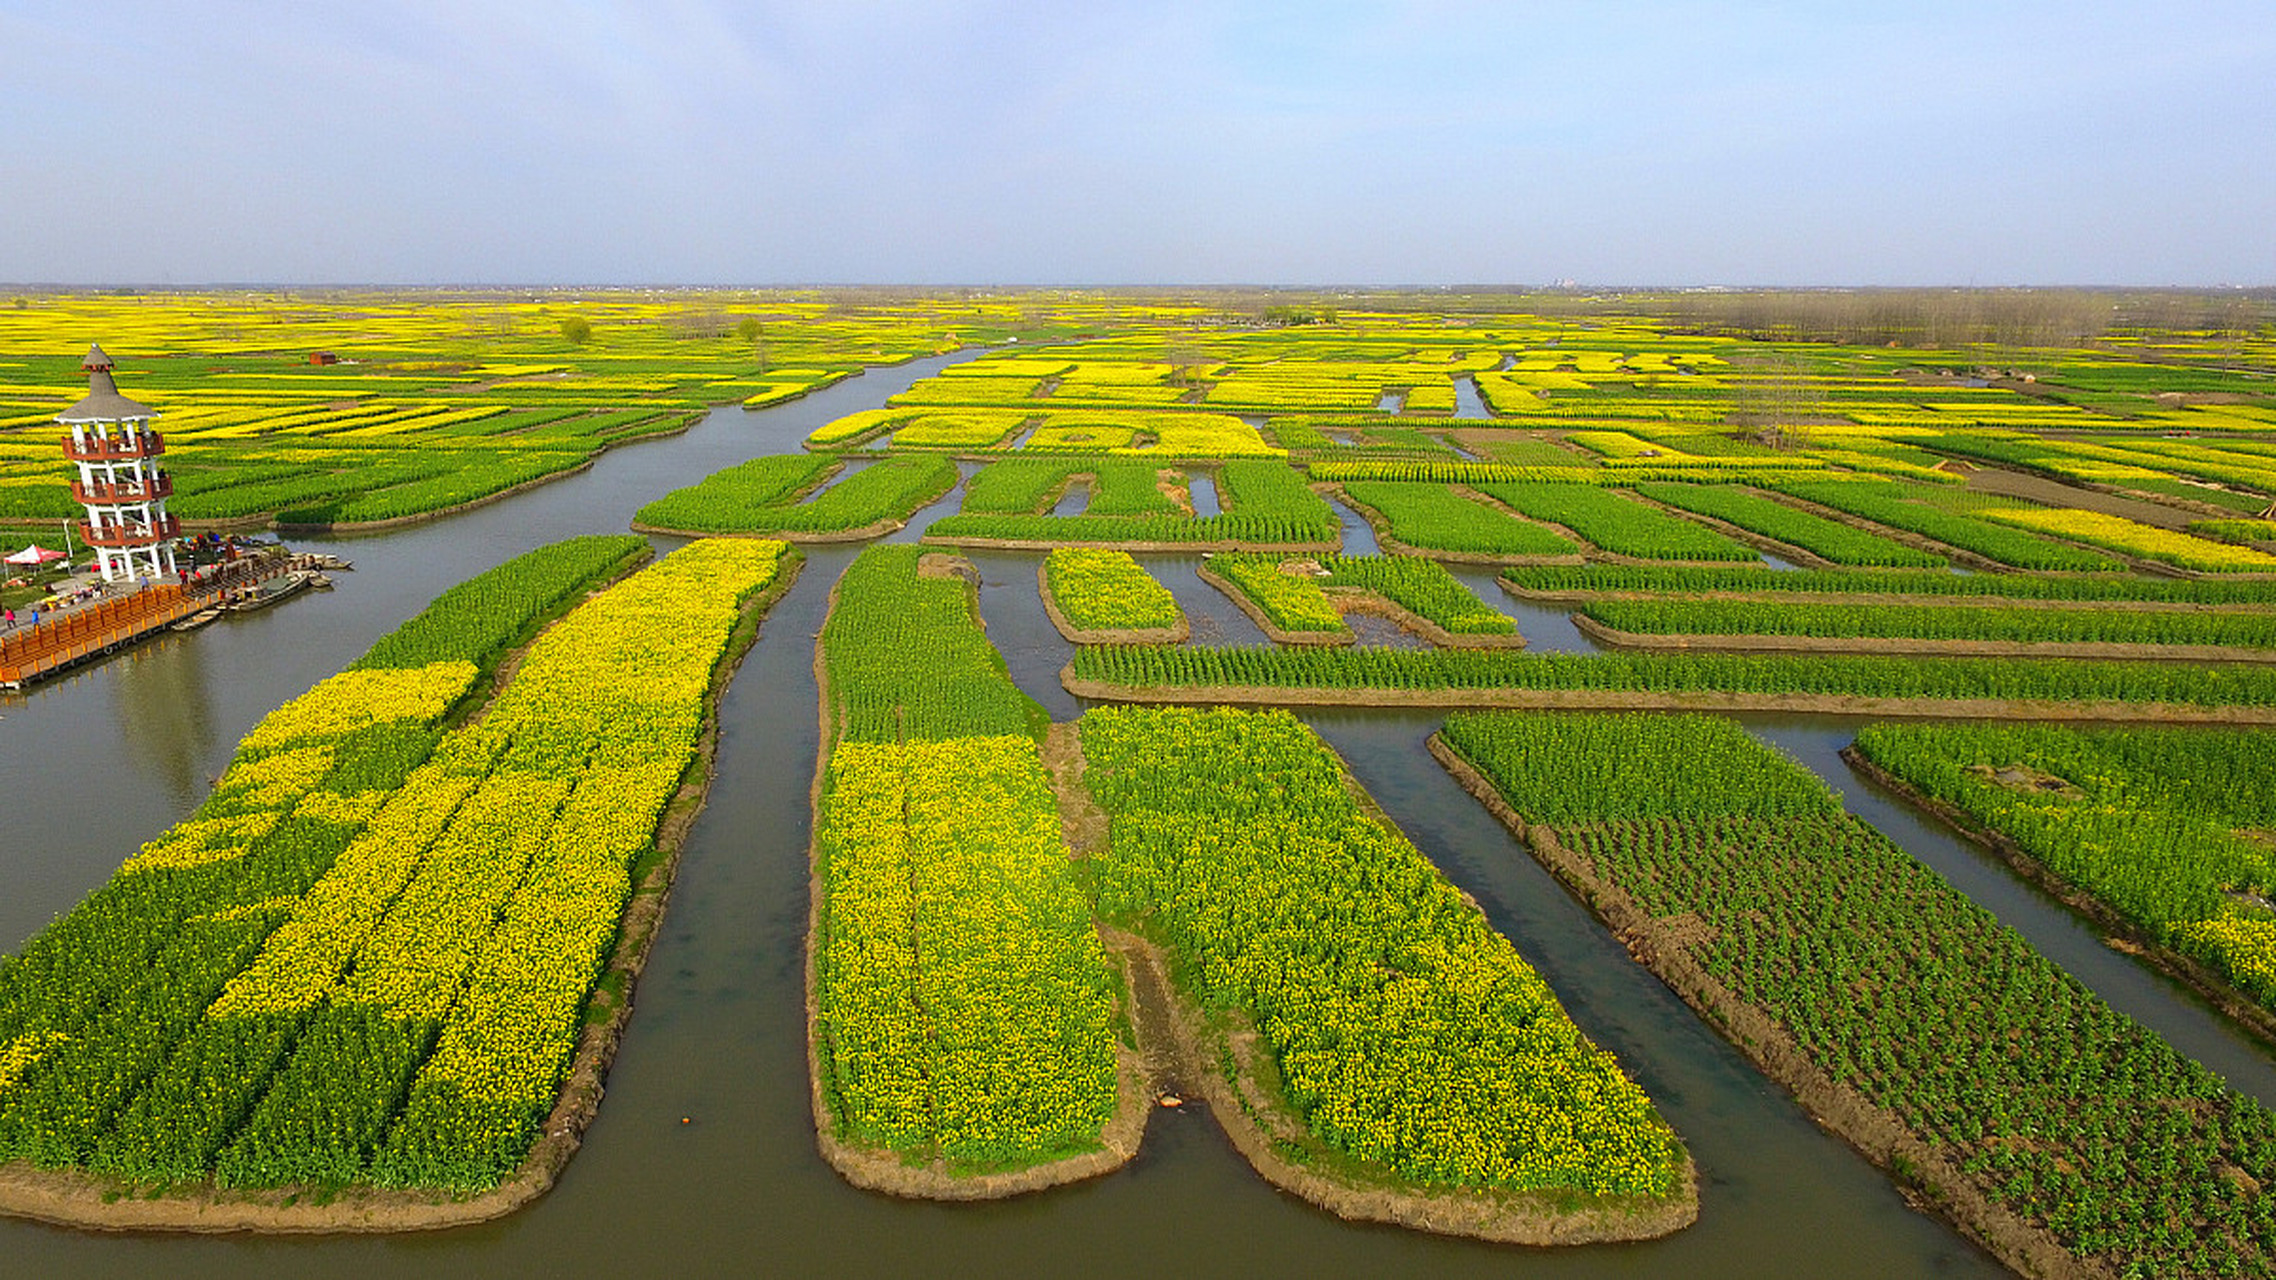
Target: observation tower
<point>119,481</point>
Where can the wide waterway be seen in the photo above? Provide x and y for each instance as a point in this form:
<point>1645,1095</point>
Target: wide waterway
<point>702,1161</point>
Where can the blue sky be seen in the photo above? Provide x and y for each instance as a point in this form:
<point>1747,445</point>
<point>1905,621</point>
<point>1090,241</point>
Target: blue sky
<point>1433,142</point>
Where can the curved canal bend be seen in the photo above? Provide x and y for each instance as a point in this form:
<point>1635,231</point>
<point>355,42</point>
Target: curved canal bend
<point>716,1039</point>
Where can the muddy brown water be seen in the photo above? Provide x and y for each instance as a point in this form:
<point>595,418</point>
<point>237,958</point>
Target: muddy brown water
<point>105,759</point>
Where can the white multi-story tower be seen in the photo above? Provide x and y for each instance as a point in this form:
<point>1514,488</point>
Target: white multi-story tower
<point>119,481</point>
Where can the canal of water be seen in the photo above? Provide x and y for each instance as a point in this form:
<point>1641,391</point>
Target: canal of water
<point>107,758</point>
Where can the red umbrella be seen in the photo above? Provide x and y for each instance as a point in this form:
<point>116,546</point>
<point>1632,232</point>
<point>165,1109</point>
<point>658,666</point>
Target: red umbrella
<point>34,554</point>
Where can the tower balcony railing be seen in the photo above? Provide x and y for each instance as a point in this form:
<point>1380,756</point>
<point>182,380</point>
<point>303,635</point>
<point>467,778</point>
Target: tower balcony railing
<point>132,444</point>
<point>131,534</point>
<point>161,486</point>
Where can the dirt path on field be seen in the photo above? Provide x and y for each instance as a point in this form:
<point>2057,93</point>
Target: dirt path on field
<point>1668,947</point>
<point>2054,493</point>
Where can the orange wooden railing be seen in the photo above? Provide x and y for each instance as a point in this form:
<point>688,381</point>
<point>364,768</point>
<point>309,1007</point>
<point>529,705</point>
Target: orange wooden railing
<point>28,652</point>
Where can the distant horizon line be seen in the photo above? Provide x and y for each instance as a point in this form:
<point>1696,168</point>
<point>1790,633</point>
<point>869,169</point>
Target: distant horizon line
<point>1563,288</point>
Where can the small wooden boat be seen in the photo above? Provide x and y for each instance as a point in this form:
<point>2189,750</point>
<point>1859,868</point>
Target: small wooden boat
<point>268,592</point>
<point>196,620</point>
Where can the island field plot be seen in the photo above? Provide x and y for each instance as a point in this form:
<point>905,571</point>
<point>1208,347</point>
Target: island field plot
<point>1369,1042</point>
<point>1303,600</point>
<point>960,1004</point>
<point>802,499</point>
<point>1835,960</point>
<point>1097,596</point>
<point>1266,506</point>
<point>367,962</point>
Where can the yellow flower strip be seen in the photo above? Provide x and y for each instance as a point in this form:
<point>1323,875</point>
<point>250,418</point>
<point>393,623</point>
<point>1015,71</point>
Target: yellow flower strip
<point>2135,538</point>
<point>600,724</point>
<point>411,966</point>
<point>353,699</point>
<point>965,1002</point>
<point>2244,946</point>
<point>304,958</point>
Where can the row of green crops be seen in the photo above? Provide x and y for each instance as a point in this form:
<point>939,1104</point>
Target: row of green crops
<point>1815,534</point>
<point>1620,525</point>
<point>1023,486</point>
<point>478,618</point>
<point>1446,674</point>
<point>1405,1032</point>
<point>2145,819</point>
<point>1936,622</point>
<point>364,959</point>
<point>1762,580</point>
<point>1293,601</point>
<point>1432,517</point>
<point>1885,503</point>
<point>905,660</point>
<point>2241,532</point>
<point>751,498</point>
<point>2049,1102</point>
<point>1422,587</point>
<point>962,997</point>
<point>1108,591</point>
<point>478,478</point>
<point>1265,504</point>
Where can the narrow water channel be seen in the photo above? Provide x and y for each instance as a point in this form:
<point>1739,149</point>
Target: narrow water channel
<point>702,1161</point>
<point>1467,402</point>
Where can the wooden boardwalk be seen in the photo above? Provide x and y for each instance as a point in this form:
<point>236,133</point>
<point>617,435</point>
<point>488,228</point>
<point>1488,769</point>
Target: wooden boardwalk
<point>31,653</point>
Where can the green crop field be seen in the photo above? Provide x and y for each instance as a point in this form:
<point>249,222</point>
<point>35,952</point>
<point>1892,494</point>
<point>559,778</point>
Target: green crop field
<point>2042,1099</point>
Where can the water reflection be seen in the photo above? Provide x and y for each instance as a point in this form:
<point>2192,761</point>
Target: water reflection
<point>162,709</point>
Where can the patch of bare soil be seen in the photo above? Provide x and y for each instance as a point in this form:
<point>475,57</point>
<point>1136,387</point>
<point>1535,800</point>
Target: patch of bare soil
<point>1661,700</point>
<point>940,565</point>
<point>1603,634</point>
<point>1173,485</point>
<point>2054,493</point>
<point>77,1199</point>
<point>2024,778</point>
<point>1668,948</point>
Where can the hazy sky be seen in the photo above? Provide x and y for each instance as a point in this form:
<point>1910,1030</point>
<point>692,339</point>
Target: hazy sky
<point>1097,141</point>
